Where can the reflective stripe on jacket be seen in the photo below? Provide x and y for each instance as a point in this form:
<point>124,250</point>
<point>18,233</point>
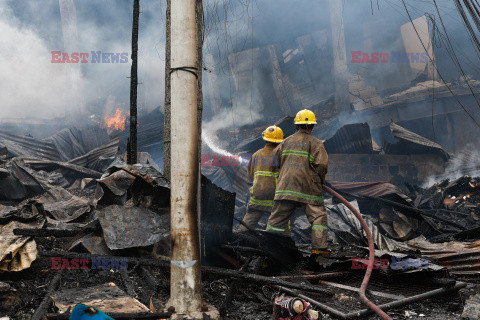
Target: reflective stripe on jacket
<point>263,171</point>
<point>303,166</point>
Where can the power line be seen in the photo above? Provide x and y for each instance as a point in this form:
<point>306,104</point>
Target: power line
<point>467,23</point>
<point>253,63</point>
<point>440,75</point>
<point>433,76</point>
<point>451,51</point>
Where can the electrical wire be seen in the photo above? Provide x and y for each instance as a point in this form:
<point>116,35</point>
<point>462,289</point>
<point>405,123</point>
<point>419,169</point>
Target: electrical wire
<point>252,73</point>
<point>471,63</point>
<point>433,78</point>
<point>439,74</point>
<point>451,51</point>
<point>467,24</point>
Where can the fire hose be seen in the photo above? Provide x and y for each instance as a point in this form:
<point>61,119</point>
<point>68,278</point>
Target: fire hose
<point>371,254</point>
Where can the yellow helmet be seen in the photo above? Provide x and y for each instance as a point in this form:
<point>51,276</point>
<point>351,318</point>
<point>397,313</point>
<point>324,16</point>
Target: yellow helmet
<point>305,117</point>
<point>273,134</point>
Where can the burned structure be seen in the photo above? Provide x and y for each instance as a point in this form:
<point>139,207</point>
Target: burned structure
<point>82,230</point>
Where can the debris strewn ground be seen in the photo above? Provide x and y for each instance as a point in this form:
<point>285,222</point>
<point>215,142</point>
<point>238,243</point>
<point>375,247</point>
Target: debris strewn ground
<point>103,229</point>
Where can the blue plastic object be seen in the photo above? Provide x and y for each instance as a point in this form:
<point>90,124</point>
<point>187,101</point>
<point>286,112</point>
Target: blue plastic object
<point>83,312</point>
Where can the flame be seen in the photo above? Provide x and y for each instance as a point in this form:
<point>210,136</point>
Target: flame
<point>117,121</point>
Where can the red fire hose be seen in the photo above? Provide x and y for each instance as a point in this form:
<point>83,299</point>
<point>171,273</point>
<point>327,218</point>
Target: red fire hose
<point>371,255</point>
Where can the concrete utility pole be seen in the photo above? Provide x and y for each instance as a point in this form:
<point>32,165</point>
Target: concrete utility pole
<point>185,275</point>
<point>132,151</point>
<point>342,97</point>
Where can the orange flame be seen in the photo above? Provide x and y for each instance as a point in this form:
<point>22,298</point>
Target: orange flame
<point>117,121</point>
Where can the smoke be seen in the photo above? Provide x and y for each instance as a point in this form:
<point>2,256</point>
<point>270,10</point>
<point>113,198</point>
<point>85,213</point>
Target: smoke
<point>29,81</point>
<point>240,26</point>
<point>32,86</point>
<point>466,162</point>
<point>246,109</point>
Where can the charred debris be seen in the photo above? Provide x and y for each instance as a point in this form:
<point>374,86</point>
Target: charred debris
<point>78,225</point>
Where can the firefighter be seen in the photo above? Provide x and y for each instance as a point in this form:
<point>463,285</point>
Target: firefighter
<point>263,171</point>
<point>303,165</point>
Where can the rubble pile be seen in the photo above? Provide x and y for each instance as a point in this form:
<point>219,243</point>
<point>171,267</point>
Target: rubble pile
<point>68,194</point>
<point>81,229</point>
<point>460,198</point>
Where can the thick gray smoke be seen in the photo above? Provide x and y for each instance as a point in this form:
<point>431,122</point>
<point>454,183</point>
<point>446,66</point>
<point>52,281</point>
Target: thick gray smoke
<point>29,81</point>
<point>33,86</point>
<point>369,28</point>
<point>466,162</point>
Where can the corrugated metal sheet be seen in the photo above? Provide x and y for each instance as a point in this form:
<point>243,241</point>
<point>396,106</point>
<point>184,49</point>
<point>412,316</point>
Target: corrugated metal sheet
<point>49,165</point>
<point>19,184</point>
<point>107,150</point>
<point>218,176</point>
<point>68,143</point>
<point>348,228</point>
<point>23,146</point>
<point>93,137</point>
<point>65,145</point>
<point>402,133</point>
<point>462,259</point>
<point>351,139</point>
<point>373,189</point>
<point>412,143</point>
<point>72,142</point>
